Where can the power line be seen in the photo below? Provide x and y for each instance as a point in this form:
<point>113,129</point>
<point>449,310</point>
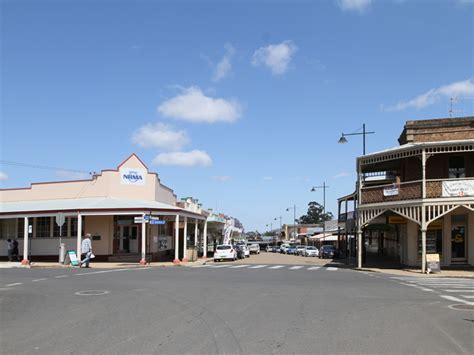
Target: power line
<point>44,167</point>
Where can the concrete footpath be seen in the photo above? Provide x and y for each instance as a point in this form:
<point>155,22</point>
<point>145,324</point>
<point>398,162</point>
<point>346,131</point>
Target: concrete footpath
<point>97,265</point>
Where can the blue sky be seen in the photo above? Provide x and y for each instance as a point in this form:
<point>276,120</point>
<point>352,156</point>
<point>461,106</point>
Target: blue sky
<point>237,103</point>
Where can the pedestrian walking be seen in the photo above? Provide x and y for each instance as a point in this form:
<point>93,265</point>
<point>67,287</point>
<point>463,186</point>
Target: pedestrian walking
<point>86,250</point>
<point>10,249</point>
<point>15,251</point>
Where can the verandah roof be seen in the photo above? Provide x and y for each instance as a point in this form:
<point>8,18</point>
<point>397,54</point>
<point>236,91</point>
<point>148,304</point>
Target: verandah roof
<point>86,204</point>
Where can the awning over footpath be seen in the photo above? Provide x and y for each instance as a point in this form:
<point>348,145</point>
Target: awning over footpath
<point>324,237</point>
<point>98,204</point>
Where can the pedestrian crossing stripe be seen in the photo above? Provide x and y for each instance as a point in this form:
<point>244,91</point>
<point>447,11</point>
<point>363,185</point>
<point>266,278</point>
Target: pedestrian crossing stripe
<point>266,267</point>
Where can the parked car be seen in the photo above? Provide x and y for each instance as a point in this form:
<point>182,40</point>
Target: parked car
<point>268,248</point>
<point>300,249</point>
<point>246,251</point>
<point>283,248</point>
<point>327,251</point>
<point>275,249</point>
<point>291,249</point>
<point>225,252</point>
<point>254,248</point>
<point>311,251</point>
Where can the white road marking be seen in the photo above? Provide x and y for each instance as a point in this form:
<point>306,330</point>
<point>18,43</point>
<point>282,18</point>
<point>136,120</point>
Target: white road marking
<point>467,296</point>
<point>219,266</point>
<point>295,267</point>
<point>257,266</point>
<point>100,272</point>
<point>61,276</point>
<point>39,280</point>
<point>238,266</point>
<point>277,267</point>
<point>15,284</point>
<point>451,298</point>
<point>332,268</point>
<point>459,290</point>
<point>314,268</point>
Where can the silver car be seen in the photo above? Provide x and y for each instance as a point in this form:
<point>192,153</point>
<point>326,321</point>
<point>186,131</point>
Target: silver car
<point>311,251</point>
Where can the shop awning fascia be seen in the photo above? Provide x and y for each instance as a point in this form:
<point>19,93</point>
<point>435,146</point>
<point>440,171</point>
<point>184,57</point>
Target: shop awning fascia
<point>98,205</point>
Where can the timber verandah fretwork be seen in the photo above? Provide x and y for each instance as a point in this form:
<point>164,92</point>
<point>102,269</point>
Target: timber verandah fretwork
<point>416,204</point>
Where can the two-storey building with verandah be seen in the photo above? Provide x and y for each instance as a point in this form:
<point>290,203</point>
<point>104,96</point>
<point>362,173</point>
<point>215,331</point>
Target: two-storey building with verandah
<point>418,198</point>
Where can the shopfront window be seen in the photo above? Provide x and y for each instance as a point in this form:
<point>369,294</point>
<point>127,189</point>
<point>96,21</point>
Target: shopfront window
<point>458,237</point>
<point>43,225</point>
<point>434,239</point>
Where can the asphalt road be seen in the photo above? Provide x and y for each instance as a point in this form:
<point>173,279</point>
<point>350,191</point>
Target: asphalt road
<point>216,310</point>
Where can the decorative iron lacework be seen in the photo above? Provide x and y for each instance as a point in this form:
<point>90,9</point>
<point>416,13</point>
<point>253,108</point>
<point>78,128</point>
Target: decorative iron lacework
<point>413,213</point>
<point>417,151</point>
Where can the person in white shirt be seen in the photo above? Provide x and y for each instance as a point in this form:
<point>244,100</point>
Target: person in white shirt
<point>86,250</point>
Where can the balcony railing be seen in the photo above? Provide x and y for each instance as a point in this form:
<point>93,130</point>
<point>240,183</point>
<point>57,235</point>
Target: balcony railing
<point>412,190</point>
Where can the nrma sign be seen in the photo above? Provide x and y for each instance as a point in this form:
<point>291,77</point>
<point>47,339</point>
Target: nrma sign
<point>132,176</point>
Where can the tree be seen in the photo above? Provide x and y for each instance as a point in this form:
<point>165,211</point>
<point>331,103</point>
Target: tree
<point>315,214</point>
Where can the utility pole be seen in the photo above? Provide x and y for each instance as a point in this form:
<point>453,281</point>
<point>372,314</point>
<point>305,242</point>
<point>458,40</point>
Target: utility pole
<point>324,187</point>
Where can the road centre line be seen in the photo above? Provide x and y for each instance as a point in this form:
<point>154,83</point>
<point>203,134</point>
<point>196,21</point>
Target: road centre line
<point>314,268</point>
<point>15,284</point>
<point>44,279</point>
<point>219,266</point>
<point>455,299</point>
<point>467,296</point>
<point>330,268</point>
<point>295,267</point>
<point>257,266</point>
<point>61,276</point>
<point>238,266</point>
<point>459,290</point>
<point>100,272</point>
<point>277,267</point>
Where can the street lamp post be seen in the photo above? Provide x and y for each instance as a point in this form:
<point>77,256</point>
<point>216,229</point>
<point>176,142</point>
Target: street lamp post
<point>343,140</point>
<point>324,187</point>
<point>294,217</point>
<point>280,225</point>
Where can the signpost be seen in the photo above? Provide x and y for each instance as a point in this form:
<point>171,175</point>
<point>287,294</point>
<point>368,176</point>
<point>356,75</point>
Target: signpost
<point>432,263</point>
<point>149,219</point>
<point>73,257</point>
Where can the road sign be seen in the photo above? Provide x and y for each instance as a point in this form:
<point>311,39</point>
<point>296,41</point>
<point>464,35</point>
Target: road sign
<point>139,220</point>
<point>151,218</point>
<point>155,221</point>
<point>60,219</point>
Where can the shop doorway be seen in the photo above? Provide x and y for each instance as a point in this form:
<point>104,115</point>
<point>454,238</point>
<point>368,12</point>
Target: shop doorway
<point>458,238</point>
<point>128,239</point>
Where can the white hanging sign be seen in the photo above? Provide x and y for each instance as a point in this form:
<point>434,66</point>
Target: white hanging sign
<point>458,188</point>
<point>132,176</point>
<point>390,191</point>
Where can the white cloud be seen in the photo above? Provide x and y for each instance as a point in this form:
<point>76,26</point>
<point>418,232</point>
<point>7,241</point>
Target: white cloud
<point>3,176</point>
<point>432,96</point>
<point>354,5</point>
<point>267,178</point>
<point>193,106</point>
<point>76,175</point>
<point>222,178</point>
<point>160,135</point>
<point>341,175</point>
<point>277,57</point>
<point>224,66</point>
<point>185,159</point>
